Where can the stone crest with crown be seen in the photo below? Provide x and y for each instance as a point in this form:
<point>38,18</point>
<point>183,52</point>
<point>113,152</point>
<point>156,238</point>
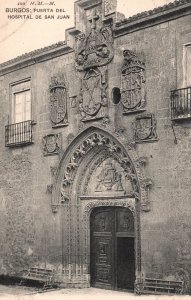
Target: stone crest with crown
<point>133,89</point>
<point>95,49</point>
<point>93,52</point>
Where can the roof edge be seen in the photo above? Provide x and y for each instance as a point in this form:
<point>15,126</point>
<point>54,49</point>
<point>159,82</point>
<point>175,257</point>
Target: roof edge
<point>153,17</point>
<point>34,57</point>
<point>150,18</point>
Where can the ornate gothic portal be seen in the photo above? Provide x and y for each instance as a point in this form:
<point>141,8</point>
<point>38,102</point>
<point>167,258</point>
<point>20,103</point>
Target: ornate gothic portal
<point>97,171</point>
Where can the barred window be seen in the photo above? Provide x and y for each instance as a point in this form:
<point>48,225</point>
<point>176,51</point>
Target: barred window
<point>19,130</point>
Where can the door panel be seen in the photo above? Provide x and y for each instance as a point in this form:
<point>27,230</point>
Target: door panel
<point>125,263</point>
<point>102,221</point>
<point>101,264</point>
<point>125,221</point>
<point>103,261</point>
<point>112,261</point>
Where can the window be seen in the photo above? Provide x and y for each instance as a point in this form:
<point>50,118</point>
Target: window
<point>21,102</point>
<point>181,98</point>
<point>19,132</point>
<point>187,65</point>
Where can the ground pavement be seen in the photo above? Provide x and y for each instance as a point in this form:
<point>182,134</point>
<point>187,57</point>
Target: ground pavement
<point>26,293</point>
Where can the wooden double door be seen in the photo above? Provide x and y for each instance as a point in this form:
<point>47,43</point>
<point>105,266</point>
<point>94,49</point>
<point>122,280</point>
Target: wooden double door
<point>112,253</point>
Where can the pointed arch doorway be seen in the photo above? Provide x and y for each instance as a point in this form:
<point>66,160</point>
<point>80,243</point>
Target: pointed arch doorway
<point>112,248</point>
<point>79,189</point>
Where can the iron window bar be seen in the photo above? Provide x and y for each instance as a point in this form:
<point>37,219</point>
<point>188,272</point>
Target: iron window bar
<point>18,134</point>
<point>181,104</point>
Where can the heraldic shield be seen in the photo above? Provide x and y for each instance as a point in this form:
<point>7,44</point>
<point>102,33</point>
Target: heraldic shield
<point>58,102</point>
<point>52,144</point>
<point>95,49</point>
<point>93,96</point>
<point>132,83</point>
<point>145,128</point>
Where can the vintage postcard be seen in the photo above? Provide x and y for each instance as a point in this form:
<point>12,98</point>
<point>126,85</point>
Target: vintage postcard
<point>95,152</point>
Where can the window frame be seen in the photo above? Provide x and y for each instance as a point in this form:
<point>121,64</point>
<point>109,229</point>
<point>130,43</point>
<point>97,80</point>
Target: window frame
<point>17,88</point>
<point>185,61</point>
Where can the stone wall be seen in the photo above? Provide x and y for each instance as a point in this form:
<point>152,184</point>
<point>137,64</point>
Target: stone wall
<point>165,229</point>
<point>30,234</point>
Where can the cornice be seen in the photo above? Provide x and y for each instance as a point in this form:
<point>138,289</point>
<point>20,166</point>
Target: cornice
<point>171,11</point>
<point>35,57</point>
<point>159,15</point>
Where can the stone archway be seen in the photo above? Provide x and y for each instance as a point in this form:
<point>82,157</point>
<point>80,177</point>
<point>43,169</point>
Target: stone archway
<point>81,165</point>
<point>76,153</point>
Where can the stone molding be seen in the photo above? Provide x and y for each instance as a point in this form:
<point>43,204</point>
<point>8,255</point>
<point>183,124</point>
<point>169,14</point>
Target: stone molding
<point>90,140</point>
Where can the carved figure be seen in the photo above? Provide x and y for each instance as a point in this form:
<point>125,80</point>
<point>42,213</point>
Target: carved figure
<point>109,179</point>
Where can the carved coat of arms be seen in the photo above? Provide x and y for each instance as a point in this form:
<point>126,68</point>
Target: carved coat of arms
<point>93,53</point>
<point>93,97</point>
<point>96,49</point>
<point>145,128</point>
<point>52,144</point>
<point>58,101</point>
<point>132,83</point>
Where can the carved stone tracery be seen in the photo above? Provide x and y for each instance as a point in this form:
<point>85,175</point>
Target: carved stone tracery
<point>80,164</point>
<point>98,140</point>
<point>88,144</point>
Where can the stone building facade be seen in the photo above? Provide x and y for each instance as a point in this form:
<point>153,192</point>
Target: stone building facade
<point>95,165</point>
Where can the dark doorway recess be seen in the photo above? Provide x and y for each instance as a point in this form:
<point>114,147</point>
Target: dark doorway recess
<point>112,255</point>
